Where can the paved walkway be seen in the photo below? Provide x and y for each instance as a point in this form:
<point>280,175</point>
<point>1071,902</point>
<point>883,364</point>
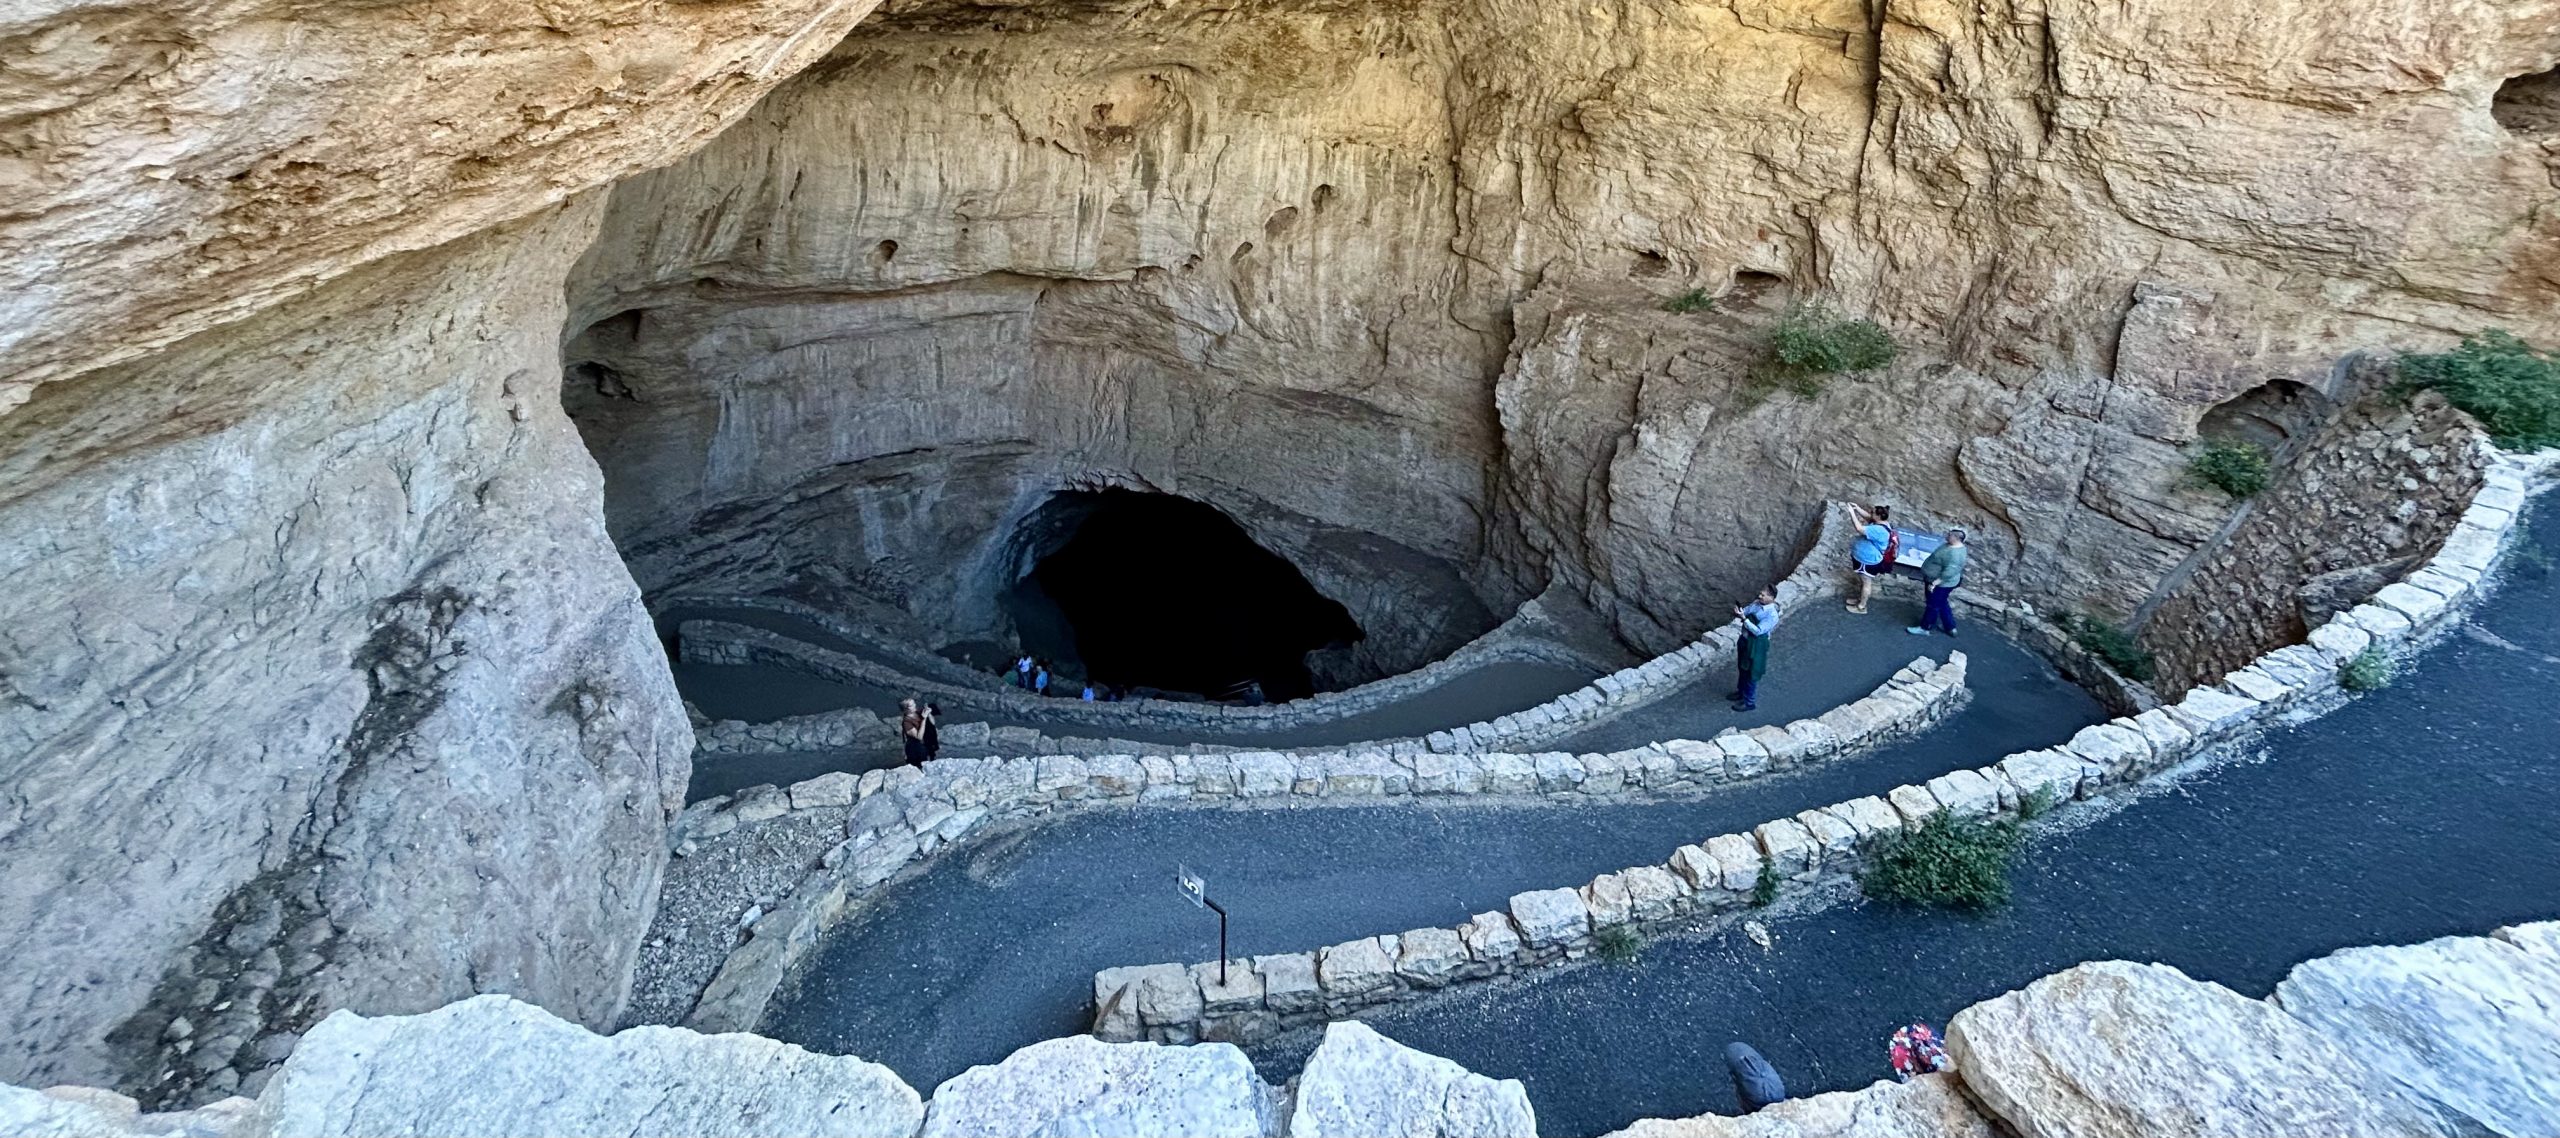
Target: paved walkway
<point>1825,657</point>
<point>994,948</point>
<point>2424,810</point>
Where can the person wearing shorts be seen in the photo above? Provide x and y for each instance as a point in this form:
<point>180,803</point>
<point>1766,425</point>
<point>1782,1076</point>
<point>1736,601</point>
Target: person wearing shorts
<point>1868,559</point>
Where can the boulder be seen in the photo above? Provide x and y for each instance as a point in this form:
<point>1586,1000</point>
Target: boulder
<point>2120,1050</point>
<point>87,1112</point>
<point>1931,1106</point>
<point>2470,1025</point>
<point>1360,1084</point>
<point>835,788</point>
<point>1289,982</point>
<point>1550,917</point>
<point>1082,1086</point>
<point>492,1065</point>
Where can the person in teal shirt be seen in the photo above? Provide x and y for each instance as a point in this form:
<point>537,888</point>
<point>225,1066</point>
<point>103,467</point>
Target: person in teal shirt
<point>1944,570</point>
<point>1872,556</point>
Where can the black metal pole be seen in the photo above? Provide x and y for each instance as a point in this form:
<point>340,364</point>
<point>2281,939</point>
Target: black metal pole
<point>1221,911</point>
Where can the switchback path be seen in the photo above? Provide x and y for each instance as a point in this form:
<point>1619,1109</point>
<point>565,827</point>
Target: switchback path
<point>994,947</point>
<point>2424,810</point>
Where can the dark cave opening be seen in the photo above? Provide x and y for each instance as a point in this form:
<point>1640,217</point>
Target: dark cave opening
<point>1133,589</point>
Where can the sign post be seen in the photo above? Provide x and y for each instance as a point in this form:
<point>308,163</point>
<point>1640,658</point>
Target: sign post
<point>1195,889</point>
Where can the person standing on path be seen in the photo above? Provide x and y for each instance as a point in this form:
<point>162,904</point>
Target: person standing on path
<point>932,731</point>
<point>1751,653</point>
<point>1872,556</point>
<point>911,730</point>
<point>1944,570</point>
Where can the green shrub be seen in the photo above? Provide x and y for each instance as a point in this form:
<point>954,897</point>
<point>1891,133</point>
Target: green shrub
<point>1948,863</point>
<point>1617,944</point>
<point>2509,385</point>
<point>1694,300</point>
<point>1764,888</point>
<point>2237,469</point>
<point>2371,670</point>
<point>2111,644</point>
<point>1811,344</point>
<point>2037,803</point>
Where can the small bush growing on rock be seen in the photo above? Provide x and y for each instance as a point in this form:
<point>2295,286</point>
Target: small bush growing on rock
<point>2371,670</point>
<point>1812,343</point>
<point>2512,387</point>
<point>2237,469</point>
<point>2037,803</point>
<point>2111,644</point>
<point>1617,944</point>
<point>1948,863</point>
<point>1764,888</point>
<point>1694,300</point>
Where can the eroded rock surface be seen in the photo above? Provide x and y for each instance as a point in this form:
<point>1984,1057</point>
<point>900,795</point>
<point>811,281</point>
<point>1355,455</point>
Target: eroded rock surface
<point>1081,1085</point>
<point>319,684</point>
<point>173,167</point>
<point>2118,1049</point>
<point>1359,1082</point>
<point>2471,1024</point>
<point>1931,1106</point>
<point>495,1066</point>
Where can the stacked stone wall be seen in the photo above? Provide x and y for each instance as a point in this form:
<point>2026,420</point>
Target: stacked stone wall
<point>2375,491</point>
<point>896,819</point>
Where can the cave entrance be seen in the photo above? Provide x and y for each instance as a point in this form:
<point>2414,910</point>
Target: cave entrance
<point>1137,589</point>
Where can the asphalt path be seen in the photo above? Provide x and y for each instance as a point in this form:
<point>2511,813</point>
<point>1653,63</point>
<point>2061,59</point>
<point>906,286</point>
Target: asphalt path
<point>993,947</point>
<point>2423,810</point>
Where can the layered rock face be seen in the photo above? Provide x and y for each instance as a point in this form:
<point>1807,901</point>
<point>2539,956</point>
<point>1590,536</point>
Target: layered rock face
<point>166,169</point>
<point>319,683</point>
<point>1396,270</point>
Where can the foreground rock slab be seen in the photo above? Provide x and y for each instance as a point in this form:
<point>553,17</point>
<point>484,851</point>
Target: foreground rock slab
<point>2469,1024</point>
<point>1360,1084</point>
<point>2119,1050</point>
<point>494,1066</point>
<point>1082,1086</point>
<point>1931,1106</point>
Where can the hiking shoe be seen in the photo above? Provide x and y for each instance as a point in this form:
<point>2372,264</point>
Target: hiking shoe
<point>1916,630</point>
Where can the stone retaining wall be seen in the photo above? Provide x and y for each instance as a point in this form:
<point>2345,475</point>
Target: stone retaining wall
<point>1518,639</point>
<point>1181,1003</point>
<point>1816,575</point>
<point>897,818</point>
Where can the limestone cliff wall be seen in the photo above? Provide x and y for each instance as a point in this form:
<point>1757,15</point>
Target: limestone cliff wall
<point>1396,268</point>
<point>167,168</point>
<point>320,685</point>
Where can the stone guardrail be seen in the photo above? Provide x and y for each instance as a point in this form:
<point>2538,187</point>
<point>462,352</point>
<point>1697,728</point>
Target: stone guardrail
<point>1184,1003</point>
<point>1817,574</point>
<point>897,818</point>
<point>1515,639</point>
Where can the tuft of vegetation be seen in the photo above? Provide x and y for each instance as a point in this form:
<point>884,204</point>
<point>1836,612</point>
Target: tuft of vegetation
<point>1617,944</point>
<point>1764,888</point>
<point>2525,555</point>
<point>1812,344</point>
<point>2512,387</point>
<point>2371,670</point>
<point>2037,803</point>
<point>2109,643</point>
<point>1948,863</point>
<point>1694,300</point>
<point>2237,469</point>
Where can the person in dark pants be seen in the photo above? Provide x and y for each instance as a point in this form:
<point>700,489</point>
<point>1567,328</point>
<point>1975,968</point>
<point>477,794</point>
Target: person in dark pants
<point>1755,1082</point>
<point>911,732</point>
<point>932,731</point>
<point>1944,570</point>
<point>1751,653</point>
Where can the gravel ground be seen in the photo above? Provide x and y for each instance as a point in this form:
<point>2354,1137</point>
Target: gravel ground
<point>703,899</point>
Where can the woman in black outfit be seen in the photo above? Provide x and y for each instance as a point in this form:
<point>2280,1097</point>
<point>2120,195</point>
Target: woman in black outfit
<point>912,726</point>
